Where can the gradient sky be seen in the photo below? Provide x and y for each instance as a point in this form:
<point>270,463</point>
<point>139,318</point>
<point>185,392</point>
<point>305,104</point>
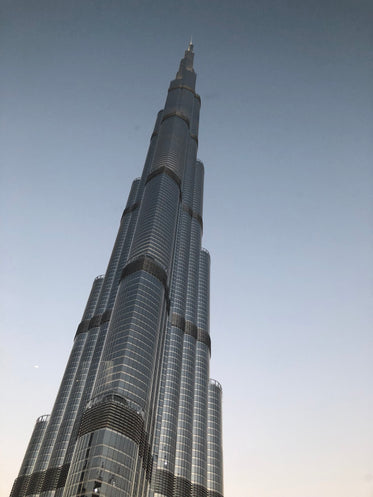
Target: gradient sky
<point>286,139</point>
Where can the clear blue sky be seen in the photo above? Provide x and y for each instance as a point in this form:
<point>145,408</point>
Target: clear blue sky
<point>286,139</point>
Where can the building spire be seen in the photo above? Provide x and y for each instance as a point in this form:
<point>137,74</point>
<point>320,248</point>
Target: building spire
<point>190,47</point>
<point>186,71</point>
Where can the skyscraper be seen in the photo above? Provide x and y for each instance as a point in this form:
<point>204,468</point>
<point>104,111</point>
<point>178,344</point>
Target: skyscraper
<point>136,414</point>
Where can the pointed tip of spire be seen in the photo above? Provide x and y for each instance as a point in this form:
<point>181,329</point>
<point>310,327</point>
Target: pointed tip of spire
<point>190,46</point>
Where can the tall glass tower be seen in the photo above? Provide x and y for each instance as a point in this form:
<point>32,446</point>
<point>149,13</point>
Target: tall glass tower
<point>136,414</point>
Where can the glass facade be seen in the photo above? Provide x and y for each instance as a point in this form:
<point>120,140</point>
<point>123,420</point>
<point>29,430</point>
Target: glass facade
<point>136,414</point>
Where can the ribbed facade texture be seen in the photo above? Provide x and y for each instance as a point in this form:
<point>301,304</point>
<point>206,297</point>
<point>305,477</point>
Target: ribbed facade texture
<point>136,414</point>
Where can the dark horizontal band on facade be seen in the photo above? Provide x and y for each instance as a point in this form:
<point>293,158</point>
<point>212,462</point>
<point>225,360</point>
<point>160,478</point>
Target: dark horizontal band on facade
<point>191,329</point>
<point>193,137</point>
<point>35,481</point>
<point>55,478</point>
<point>20,485</point>
<point>182,87</point>
<point>149,265</point>
<point>115,415</point>
<point>119,417</point>
<point>176,114</point>
<point>193,214</point>
<point>131,208</point>
<point>50,479</point>
<point>41,481</point>
<point>97,320</point>
<point>164,170</point>
<point>166,483</point>
<point>185,87</point>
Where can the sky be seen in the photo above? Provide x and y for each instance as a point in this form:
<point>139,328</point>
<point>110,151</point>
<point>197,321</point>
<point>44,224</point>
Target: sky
<point>286,139</point>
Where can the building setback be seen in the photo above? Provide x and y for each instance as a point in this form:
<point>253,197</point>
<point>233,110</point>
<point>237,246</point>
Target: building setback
<point>136,414</point>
